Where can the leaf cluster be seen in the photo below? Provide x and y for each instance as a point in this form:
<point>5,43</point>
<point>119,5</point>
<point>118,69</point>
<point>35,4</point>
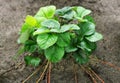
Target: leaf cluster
<point>54,32</point>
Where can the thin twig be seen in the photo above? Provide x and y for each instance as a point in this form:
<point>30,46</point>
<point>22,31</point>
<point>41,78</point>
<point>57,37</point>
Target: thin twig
<point>43,72</point>
<point>49,73</point>
<point>74,67</point>
<point>96,75</point>
<point>34,72</point>
<point>110,64</point>
<point>88,72</point>
<point>12,68</point>
<point>95,59</point>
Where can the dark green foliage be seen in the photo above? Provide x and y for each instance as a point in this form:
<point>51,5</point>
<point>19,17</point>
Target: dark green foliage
<point>56,32</point>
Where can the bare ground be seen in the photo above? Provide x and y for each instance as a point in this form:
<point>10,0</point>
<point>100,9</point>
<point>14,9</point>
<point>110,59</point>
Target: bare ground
<point>107,17</point>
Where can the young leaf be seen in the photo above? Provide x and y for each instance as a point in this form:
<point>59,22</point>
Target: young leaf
<point>87,28</point>
<point>25,27</point>
<point>63,40</point>
<point>81,12</point>
<point>51,23</point>
<point>39,20</point>
<point>31,21</point>
<point>41,30</point>
<point>95,37</point>
<point>46,40</point>
<point>54,53</point>
<point>65,28</point>
<point>47,12</point>
<point>30,60</point>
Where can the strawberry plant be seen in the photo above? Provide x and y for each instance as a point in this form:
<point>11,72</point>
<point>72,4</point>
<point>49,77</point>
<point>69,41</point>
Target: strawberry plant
<point>52,33</point>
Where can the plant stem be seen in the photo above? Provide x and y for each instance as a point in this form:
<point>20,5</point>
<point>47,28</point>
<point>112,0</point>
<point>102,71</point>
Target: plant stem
<point>49,73</point>
<point>34,72</point>
<point>74,67</point>
<point>43,72</point>
<point>110,64</point>
<point>96,75</point>
<point>95,59</point>
<point>88,72</point>
<point>14,67</point>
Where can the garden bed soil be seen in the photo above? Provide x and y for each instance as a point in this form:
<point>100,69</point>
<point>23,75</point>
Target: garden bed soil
<point>107,17</point>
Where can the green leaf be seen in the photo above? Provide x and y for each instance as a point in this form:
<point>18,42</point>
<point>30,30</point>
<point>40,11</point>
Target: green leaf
<point>81,57</point>
<point>23,37</point>
<point>31,48</point>
<point>41,31</point>
<point>68,15</point>
<point>81,12</point>
<point>46,40</point>
<point>90,19</point>
<point>70,48</point>
<point>54,53</point>
<point>87,28</point>
<point>31,20</point>
<point>63,40</point>
<point>47,12</point>
<point>30,42</point>
<point>81,19</point>
<point>65,28</point>
<point>30,60</point>
<point>63,11</point>
<point>87,46</point>
<point>95,37</point>
<point>25,27</point>
<point>55,30</point>
<point>83,45</point>
<point>51,23</point>
<point>39,20</point>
